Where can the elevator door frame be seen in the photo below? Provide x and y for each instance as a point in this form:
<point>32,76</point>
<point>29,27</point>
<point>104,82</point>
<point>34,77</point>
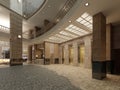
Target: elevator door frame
<point>63,55</point>
<point>79,53</point>
<point>70,53</point>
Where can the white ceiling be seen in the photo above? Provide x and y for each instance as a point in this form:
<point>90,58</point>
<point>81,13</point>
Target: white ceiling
<point>48,11</point>
<point>95,6</point>
<point>4,17</point>
<point>110,9</point>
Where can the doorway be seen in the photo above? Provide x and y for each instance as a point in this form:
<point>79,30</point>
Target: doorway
<point>70,54</point>
<point>81,54</point>
<point>63,55</point>
<point>115,49</point>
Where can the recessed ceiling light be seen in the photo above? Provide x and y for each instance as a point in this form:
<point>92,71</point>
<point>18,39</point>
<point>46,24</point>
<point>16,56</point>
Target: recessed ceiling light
<point>19,1</point>
<point>86,4</point>
<point>70,21</point>
<point>58,20</point>
<point>24,15</point>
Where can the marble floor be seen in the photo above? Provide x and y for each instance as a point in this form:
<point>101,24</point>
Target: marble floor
<point>82,78</point>
<point>53,77</point>
<point>32,77</point>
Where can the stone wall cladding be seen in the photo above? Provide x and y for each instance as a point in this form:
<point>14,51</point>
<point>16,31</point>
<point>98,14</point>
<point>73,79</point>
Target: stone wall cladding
<point>87,41</point>
<point>15,42</point>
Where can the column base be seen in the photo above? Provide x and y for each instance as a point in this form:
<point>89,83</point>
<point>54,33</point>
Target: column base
<point>109,66</point>
<point>99,70</point>
<point>14,62</point>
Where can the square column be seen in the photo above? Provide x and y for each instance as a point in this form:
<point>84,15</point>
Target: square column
<point>30,54</point>
<point>15,39</point>
<point>88,47</point>
<point>108,48</point>
<point>108,42</point>
<point>75,54</point>
<point>66,55</point>
<point>99,47</point>
<point>60,54</point>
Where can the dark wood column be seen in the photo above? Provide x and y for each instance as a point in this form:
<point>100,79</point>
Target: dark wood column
<point>99,46</point>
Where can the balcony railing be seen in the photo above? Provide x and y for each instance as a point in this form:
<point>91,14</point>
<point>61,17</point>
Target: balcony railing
<point>4,29</point>
<point>7,30</point>
<point>31,34</point>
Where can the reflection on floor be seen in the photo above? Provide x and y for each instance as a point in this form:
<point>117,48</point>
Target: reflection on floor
<point>82,78</point>
<point>31,77</point>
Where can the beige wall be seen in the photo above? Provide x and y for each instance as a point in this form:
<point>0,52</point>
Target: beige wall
<point>51,50</point>
<point>86,40</point>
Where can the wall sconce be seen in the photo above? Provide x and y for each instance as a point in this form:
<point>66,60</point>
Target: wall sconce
<point>19,36</point>
<point>36,56</point>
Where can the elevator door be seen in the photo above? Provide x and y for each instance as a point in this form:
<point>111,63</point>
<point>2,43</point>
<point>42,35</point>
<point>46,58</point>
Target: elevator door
<point>115,49</point>
<point>63,55</point>
<point>70,54</point>
<point>81,54</point>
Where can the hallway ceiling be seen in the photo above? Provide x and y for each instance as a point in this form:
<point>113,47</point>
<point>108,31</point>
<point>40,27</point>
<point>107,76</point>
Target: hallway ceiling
<point>49,10</point>
<point>109,8</point>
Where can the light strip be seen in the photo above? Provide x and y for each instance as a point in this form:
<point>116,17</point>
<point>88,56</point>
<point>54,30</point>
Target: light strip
<point>74,29</point>
<point>86,20</point>
<point>62,36</point>
<point>68,34</point>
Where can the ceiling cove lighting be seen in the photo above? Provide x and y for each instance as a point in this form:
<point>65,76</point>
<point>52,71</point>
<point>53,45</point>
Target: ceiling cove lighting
<point>54,38</point>
<point>76,30</point>
<point>86,20</point>
<point>63,37</point>
<point>68,34</point>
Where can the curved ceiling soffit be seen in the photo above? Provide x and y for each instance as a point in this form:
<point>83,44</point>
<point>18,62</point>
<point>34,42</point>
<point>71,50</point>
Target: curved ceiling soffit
<point>26,18</point>
<point>37,10</point>
<point>55,28</point>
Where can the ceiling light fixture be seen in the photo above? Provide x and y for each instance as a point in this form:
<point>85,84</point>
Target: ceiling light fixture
<point>19,1</point>
<point>58,20</point>
<point>70,21</point>
<point>86,20</point>
<point>86,4</point>
<point>24,15</point>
